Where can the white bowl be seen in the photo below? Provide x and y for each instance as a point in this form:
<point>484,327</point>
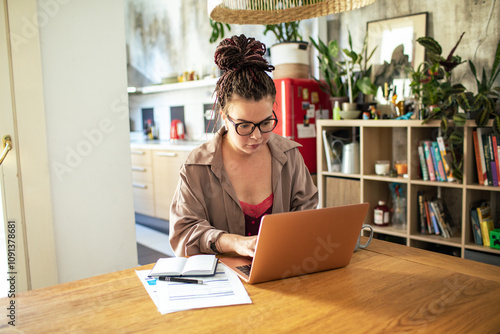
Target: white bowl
<point>353,114</point>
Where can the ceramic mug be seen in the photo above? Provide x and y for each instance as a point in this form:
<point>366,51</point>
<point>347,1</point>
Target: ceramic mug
<point>358,244</point>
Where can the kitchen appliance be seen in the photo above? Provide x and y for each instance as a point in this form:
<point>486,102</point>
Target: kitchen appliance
<point>299,103</point>
<point>176,130</point>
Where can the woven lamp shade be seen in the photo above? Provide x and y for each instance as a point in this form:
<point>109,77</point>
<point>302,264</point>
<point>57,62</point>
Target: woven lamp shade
<point>277,11</point>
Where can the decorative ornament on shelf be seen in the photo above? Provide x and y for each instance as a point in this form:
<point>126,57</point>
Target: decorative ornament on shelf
<point>277,11</point>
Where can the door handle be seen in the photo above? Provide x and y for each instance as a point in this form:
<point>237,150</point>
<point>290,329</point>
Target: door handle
<point>7,146</point>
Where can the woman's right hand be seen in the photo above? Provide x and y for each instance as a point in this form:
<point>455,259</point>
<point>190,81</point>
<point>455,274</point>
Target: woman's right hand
<point>244,246</point>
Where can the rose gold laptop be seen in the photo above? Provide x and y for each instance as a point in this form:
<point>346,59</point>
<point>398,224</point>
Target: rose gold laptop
<point>302,242</point>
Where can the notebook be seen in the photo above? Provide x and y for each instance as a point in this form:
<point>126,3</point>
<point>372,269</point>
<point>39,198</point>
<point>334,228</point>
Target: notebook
<point>301,242</point>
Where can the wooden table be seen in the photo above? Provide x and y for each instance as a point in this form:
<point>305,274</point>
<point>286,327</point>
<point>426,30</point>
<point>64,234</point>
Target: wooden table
<point>387,288</point>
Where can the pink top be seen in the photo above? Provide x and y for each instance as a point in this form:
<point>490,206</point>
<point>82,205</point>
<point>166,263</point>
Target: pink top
<point>254,213</point>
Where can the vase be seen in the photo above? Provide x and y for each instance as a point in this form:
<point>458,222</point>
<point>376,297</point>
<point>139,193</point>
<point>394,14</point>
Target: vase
<point>290,60</point>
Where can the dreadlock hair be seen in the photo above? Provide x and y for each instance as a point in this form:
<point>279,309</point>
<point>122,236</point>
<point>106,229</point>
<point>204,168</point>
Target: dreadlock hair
<point>243,71</point>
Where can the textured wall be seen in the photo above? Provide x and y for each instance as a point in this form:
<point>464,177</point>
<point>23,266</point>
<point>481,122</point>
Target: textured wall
<point>480,20</point>
<point>165,37</point>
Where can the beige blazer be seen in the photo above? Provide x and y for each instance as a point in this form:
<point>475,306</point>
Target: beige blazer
<point>205,203</point>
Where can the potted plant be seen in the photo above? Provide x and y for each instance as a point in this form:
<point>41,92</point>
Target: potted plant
<point>359,72</point>
<point>335,71</point>
<point>290,55</point>
<point>481,105</point>
<point>439,98</point>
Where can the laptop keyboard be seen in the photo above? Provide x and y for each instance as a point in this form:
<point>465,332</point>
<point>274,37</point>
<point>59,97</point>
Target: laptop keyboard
<point>245,269</point>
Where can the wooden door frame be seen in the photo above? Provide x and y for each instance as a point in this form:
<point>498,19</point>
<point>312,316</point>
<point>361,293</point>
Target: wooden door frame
<point>30,144</point>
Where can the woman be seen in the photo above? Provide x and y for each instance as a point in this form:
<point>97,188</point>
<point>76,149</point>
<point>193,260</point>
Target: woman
<point>227,184</point>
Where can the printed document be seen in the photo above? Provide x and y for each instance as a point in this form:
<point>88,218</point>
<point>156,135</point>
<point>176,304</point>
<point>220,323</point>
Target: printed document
<point>224,288</point>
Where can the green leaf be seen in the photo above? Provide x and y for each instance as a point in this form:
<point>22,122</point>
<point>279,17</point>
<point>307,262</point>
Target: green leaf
<point>430,45</point>
<point>457,174</point>
<point>459,119</point>
<point>496,126</point>
<point>456,137</point>
<point>444,124</point>
<point>333,48</point>
<point>496,64</point>
<point>365,85</point>
<point>482,117</point>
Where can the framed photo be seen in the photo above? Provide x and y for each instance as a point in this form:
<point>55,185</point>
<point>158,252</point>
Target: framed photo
<point>396,49</point>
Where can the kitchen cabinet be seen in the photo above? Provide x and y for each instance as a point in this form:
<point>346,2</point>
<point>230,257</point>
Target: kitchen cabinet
<point>155,174</point>
<point>166,175</point>
<point>142,181</point>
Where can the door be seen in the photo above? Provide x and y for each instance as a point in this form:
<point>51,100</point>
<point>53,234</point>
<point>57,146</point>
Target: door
<point>28,241</point>
<point>9,182</point>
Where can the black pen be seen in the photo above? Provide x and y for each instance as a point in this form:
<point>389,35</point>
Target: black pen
<point>180,280</point>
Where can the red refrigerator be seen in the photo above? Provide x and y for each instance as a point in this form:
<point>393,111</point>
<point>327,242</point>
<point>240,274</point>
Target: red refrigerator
<point>299,103</point>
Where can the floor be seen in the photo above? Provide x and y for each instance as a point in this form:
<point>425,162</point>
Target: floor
<point>151,245</point>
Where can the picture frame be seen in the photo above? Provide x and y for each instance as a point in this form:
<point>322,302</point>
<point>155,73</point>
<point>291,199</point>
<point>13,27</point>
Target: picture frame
<point>396,50</point>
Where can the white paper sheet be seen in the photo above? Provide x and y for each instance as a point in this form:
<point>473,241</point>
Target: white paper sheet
<point>225,288</point>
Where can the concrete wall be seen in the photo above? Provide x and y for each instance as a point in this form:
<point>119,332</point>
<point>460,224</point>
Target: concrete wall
<point>447,20</point>
<point>170,37</point>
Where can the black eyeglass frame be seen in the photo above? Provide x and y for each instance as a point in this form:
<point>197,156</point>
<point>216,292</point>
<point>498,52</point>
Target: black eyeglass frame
<point>255,125</point>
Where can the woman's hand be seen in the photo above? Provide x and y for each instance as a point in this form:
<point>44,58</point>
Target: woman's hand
<point>244,246</point>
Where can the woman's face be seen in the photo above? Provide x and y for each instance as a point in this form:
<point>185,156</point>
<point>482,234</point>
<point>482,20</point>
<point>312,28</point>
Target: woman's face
<point>242,110</point>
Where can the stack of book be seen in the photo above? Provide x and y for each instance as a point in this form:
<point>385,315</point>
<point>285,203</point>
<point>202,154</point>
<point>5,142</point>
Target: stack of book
<point>434,217</point>
<point>435,161</point>
<point>487,150</point>
<point>482,224</point>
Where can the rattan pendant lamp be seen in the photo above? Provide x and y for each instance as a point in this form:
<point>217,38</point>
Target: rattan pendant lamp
<point>277,11</point>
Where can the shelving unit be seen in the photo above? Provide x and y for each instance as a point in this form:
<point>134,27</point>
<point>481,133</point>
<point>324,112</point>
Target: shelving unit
<point>394,140</point>
<point>173,86</point>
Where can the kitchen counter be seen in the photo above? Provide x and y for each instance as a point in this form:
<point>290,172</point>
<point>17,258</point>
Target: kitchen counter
<point>178,145</point>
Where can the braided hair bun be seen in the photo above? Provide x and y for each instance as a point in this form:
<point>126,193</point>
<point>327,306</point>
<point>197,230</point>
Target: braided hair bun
<point>244,68</point>
<point>239,52</point>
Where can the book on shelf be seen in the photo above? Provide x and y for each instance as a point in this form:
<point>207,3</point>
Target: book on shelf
<point>438,161</point>
<point>483,155</point>
<point>428,159</point>
<point>434,217</point>
<point>430,226</point>
<point>487,158</point>
<point>481,171</point>
<point>434,162</point>
<point>196,265</point>
<point>421,213</point>
<point>492,148</point>
<point>485,222</point>
<point>476,227</point>
<point>443,218</point>
<point>496,153</point>
<point>487,153</point>
<point>423,163</point>
<point>328,150</point>
<point>446,158</point>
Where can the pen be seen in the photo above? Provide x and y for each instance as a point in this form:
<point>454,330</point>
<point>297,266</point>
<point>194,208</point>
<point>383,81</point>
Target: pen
<point>180,280</point>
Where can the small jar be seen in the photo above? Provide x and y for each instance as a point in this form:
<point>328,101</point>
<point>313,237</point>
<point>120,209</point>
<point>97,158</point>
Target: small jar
<point>381,214</point>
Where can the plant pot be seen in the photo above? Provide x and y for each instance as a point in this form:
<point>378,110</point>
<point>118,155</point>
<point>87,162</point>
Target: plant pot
<point>291,60</point>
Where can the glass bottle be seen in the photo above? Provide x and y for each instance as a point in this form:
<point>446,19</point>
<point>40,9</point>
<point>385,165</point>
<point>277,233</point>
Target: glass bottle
<point>381,214</point>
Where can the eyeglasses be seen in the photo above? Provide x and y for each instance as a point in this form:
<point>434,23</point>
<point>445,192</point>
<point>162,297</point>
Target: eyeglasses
<point>246,128</point>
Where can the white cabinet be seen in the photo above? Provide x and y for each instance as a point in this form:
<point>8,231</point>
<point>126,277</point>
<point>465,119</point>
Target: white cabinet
<point>166,164</point>
<point>142,182</point>
<point>155,173</point>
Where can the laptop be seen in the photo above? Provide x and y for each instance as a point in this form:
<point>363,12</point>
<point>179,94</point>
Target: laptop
<point>301,242</point>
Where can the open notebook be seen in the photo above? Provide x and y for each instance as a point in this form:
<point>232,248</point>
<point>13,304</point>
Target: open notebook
<point>302,242</point>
